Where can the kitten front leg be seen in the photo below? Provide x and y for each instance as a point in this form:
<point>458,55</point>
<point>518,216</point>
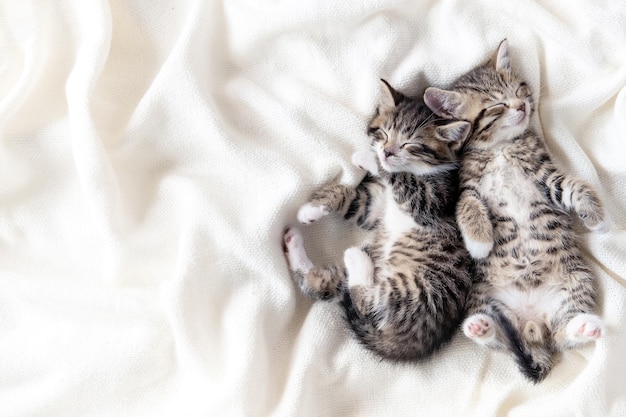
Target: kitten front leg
<point>366,160</point>
<point>573,194</point>
<point>587,205</point>
<point>473,220</point>
<point>330,197</point>
<point>311,212</point>
<point>575,323</point>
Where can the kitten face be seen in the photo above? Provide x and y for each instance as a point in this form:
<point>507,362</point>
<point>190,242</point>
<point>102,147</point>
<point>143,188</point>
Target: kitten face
<point>407,138</point>
<point>496,101</point>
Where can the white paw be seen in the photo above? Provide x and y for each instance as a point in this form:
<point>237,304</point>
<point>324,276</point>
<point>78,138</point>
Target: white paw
<point>602,227</point>
<point>359,267</point>
<point>585,327</point>
<point>478,250</point>
<point>480,328</point>
<point>309,213</point>
<point>366,160</point>
<point>294,248</point>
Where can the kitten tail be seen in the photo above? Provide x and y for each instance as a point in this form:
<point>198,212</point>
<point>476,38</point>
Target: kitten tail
<point>366,332</point>
<point>533,360</point>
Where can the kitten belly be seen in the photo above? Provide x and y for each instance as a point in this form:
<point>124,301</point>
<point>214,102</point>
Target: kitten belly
<point>530,304</point>
<point>524,252</point>
<point>509,191</point>
<point>395,222</point>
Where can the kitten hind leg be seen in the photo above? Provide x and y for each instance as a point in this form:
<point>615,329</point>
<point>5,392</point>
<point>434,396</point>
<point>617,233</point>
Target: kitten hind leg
<point>322,283</point>
<point>480,328</point>
<point>575,322</point>
<point>360,277</point>
<point>359,266</point>
<point>294,249</point>
<point>584,328</point>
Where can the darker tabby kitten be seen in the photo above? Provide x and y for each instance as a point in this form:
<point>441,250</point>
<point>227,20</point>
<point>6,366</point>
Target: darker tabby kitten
<point>535,294</point>
<point>404,292</point>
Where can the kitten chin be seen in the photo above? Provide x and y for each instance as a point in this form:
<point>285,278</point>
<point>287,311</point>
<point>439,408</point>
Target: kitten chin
<point>502,137</point>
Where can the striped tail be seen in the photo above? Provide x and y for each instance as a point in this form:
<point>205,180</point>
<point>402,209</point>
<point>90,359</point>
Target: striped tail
<point>534,360</point>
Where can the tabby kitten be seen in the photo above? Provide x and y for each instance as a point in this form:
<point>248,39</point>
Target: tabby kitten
<point>535,293</point>
<point>403,292</point>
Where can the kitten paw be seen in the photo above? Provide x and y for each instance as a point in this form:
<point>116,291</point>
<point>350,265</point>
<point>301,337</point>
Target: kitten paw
<point>592,215</point>
<point>366,160</point>
<point>359,267</point>
<point>478,250</point>
<point>480,328</point>
<point>310,213</point>
<point>293,245</point>
<point>585,328</point>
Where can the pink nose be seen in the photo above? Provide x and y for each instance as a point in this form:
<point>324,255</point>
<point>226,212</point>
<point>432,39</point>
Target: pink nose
<point>522,107</point>
<point>388,153</point>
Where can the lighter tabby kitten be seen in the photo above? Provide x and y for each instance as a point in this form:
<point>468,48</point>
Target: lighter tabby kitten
<point>403,292</point>
<point>535,294</point>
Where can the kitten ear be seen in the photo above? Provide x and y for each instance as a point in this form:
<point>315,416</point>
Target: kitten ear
<point>389,98</point>
<point>443,103</point>
<point>454,132</point>
<point>502,60</point>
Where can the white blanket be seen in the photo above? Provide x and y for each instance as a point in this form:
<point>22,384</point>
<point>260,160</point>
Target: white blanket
<point>153,152</point>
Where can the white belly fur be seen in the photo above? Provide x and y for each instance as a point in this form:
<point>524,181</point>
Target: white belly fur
<point>540,303</point>
<point>395,222</point>
<point>504,182</point>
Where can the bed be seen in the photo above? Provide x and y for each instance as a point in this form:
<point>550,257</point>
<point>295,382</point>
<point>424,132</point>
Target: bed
<point>153,153</point>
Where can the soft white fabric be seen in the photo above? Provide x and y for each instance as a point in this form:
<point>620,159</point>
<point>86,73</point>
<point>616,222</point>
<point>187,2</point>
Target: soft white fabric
<point>153,152</point>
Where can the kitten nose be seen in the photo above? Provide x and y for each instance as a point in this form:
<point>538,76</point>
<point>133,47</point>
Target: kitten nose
<point>522,107</point>
<point>388,153</point>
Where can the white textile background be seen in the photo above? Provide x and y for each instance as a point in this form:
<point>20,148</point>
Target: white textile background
<point>153,152</point>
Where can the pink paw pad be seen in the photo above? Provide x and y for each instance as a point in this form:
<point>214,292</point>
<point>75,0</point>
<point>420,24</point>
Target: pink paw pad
<point>585,327</point>
<point>478,329</point>
<point>592,332</point>
<point>293,246</point>
<point>292,239</point>
<point>479,326</point>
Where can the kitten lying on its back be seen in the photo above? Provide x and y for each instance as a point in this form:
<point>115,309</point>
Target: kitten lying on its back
<point>535,293</point>
<point>404,292</point>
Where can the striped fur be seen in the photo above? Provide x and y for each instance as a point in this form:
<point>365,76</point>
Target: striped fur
<point>535,294</point>
<point>404,291</point>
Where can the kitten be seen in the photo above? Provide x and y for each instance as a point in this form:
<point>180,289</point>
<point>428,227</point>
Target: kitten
<point>535,293</point>
<point>404,292</point>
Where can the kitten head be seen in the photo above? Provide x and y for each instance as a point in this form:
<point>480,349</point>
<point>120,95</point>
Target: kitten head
<point>494,99</point>
<point>407,138</point>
